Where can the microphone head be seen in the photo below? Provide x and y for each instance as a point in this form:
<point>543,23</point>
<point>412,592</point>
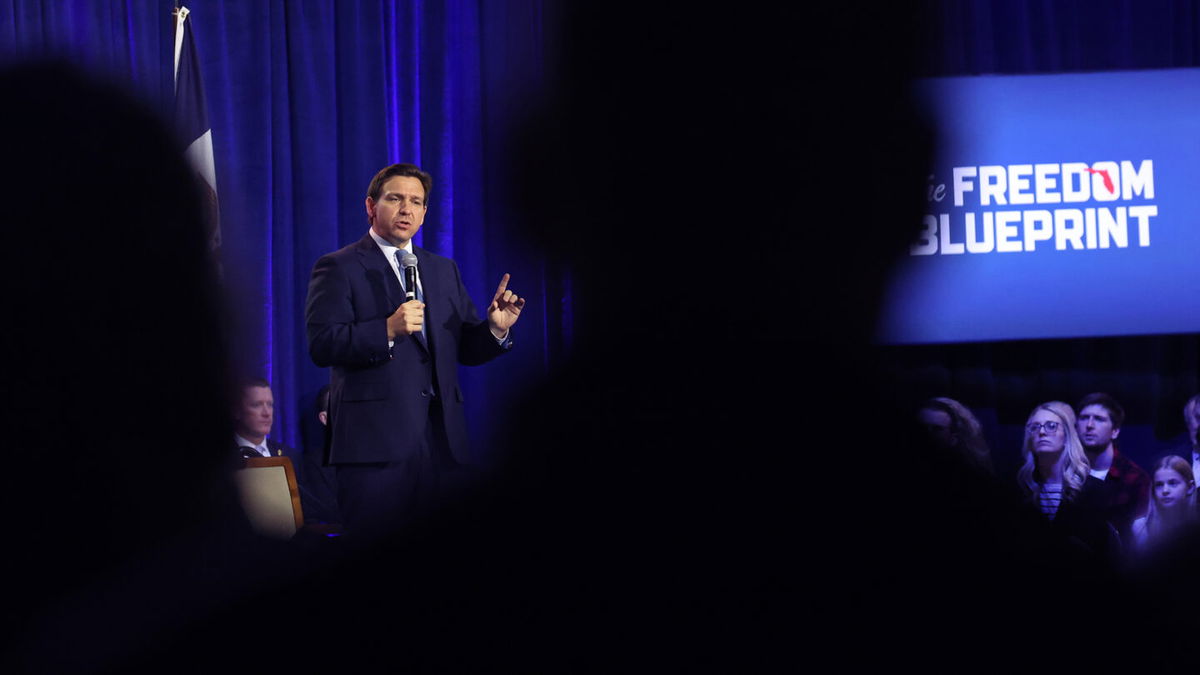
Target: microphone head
<point>408,260</point>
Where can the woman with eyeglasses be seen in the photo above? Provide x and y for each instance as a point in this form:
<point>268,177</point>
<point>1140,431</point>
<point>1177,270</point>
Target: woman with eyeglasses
<point>1055,478</point>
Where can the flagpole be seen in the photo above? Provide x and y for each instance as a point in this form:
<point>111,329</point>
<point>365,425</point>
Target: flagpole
<point>191,119</point>
<point>180,14</point>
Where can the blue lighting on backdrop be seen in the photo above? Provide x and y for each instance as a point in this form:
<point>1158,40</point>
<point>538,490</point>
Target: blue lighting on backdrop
<point>1058,206</point>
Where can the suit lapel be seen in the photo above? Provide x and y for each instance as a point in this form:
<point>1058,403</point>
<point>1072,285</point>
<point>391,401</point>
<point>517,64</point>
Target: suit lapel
<point>379,268</point>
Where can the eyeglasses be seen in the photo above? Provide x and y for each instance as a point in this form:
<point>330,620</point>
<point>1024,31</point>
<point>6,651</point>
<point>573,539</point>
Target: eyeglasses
<point>1033,427</point>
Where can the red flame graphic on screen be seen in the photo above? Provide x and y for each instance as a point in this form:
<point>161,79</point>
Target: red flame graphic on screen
<point>1107,179</point>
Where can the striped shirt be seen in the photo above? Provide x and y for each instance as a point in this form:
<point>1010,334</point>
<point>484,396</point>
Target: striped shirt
<point>1050,498</point>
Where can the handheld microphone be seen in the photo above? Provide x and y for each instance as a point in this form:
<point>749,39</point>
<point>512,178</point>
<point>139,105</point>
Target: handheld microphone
<point>408,262</point>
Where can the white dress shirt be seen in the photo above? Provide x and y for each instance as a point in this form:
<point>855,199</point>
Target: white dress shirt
<point>260,447</point>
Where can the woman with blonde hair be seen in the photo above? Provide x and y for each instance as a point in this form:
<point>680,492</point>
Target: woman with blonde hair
<point>1055,468</point>
<point>1055,477</point>
<point>1172,503</point>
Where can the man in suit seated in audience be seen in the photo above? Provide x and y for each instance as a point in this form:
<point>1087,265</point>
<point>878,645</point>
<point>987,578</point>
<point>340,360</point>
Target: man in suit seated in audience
<point>253,417</point>
<point>1098,420</point>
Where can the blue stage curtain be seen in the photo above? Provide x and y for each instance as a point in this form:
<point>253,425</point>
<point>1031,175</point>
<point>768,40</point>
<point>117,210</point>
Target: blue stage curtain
<point>307,100</point>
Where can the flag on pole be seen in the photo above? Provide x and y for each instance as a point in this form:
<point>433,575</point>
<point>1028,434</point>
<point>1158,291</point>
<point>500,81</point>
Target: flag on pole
<point>191,121</point>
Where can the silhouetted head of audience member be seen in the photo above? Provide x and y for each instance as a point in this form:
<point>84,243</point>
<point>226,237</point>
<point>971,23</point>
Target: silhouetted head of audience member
<point>1191,417</point>
<point>952,426</point>
<point>115,411</point>
<point>688,178</point>
<point>938,421</point>
<point>1098,422</point>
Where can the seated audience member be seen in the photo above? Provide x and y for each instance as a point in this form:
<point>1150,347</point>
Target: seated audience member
<point>951,426</point>
<point>253,417</point>
<point>1055,477</point>
<point>1191,417</point>
<point>1126,485</point>
<point>1172,506</point>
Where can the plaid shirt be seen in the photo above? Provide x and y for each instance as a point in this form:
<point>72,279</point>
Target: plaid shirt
<point>1128,487</point>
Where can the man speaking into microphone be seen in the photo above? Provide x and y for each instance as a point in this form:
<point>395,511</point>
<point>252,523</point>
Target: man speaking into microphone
<point>393,322</point>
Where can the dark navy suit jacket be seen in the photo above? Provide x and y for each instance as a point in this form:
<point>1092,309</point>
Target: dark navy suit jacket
<point>379,397</point>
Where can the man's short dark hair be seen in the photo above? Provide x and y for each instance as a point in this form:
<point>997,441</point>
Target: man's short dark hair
<point>1115,411</point>
<point>412,170</point>
<point>245,383</point>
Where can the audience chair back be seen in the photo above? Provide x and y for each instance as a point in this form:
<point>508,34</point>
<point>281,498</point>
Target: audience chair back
<point>270,496</point>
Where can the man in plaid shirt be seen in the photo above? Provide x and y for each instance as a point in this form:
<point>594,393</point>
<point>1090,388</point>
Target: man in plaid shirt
<point>1127,485</point>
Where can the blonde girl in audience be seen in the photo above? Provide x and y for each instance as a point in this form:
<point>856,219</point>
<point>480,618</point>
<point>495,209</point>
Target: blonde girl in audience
<point>1172,503</point>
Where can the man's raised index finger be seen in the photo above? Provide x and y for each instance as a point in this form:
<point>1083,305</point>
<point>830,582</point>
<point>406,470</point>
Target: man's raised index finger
<point>503,285</point>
